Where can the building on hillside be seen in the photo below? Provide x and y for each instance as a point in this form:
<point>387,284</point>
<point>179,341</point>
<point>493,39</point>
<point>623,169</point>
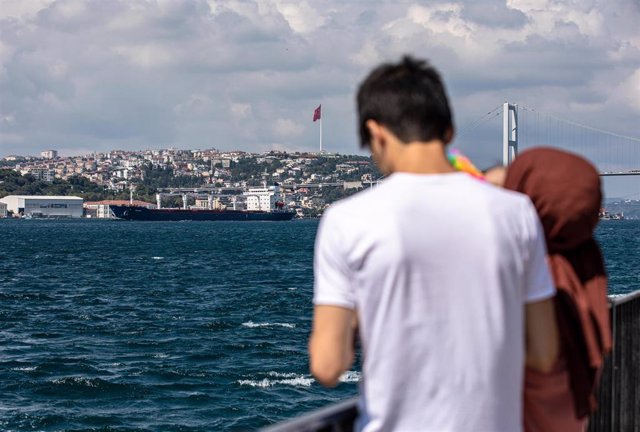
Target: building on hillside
<point>44,206</point>
<point>101,210</point>
<point>3,210</point>
<point>43,174</point>
<point>49,154</point>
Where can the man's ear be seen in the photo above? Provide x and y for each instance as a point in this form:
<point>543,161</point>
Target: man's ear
<point>448,135</point>
<point>379,145</point>
<point>376,132</point>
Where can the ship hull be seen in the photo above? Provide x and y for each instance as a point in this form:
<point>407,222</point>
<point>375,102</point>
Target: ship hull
<point>145,214</point>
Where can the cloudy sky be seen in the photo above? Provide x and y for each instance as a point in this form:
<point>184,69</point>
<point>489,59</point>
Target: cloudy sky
<point>82,76</point>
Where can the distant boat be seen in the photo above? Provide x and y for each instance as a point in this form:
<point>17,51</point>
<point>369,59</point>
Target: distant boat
<point>605,215</point>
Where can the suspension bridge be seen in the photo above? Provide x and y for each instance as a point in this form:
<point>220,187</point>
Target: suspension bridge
<point>521,127</point>
<point>525,127</point>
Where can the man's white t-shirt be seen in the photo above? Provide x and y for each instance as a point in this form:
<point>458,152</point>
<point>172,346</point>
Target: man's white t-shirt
<point>438,268</point>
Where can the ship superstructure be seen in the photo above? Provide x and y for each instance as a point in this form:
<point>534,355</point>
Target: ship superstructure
<point>264,198</point>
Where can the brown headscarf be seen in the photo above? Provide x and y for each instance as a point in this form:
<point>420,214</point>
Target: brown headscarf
<point>565,190</point>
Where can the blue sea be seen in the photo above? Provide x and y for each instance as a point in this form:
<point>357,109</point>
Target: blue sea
<point>142,326</point>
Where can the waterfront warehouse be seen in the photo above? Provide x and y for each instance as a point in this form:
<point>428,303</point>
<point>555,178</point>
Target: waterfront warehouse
<point>44,206</point>
<point>3,210</point>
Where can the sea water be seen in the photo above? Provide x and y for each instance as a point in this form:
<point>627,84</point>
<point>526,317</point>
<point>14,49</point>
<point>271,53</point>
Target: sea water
<point>194,326</point>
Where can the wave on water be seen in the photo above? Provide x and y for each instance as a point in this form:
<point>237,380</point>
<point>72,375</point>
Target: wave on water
<point>157,258</point>
<point>161,356</point>
<point>78,386</point>
<point>79,382</point>
<point>295,380</point>
<point>251,324</point>
<point>299,381</point>
<point>351,377</point>
<point>282,374</point>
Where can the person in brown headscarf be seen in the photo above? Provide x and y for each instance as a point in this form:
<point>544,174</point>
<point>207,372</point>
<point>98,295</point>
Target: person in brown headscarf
<point>565,190</point>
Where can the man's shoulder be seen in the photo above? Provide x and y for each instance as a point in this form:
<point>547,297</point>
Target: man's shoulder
<point>505,197</point>
<point>361,201</point>
<point>352,213</point>
<point>372,203</point>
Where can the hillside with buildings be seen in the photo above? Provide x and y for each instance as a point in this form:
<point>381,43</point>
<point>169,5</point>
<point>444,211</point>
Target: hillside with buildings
<point>310,180</point>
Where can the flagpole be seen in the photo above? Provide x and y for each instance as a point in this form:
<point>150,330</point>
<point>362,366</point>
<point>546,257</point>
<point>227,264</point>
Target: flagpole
<point>321,133</point>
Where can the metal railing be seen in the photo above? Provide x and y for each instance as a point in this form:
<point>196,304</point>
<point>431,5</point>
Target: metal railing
<point>338,417</point>
<point>618,392</point>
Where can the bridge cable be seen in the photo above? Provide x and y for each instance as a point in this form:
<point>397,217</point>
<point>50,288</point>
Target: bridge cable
<point>580,124</point>
<point>468,128</point>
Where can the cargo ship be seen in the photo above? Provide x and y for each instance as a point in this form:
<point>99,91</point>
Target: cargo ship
<point>147,214</point>
<point>260,204</point>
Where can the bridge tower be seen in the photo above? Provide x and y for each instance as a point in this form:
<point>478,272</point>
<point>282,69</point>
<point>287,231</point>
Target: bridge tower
<point>509,133</point>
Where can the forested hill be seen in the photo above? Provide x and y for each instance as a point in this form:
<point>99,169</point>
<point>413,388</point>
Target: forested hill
<point>13,183</point>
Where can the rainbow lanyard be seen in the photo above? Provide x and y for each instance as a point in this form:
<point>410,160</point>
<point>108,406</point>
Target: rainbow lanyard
<point>462,163</point>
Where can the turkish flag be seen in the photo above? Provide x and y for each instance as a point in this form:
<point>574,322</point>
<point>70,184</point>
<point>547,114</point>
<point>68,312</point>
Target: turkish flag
<point>317,113</point>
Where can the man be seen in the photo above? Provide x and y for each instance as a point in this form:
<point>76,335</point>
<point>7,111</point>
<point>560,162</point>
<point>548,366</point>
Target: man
<point>442,274</point>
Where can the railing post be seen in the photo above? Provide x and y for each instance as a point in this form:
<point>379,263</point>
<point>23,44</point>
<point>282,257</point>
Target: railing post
<point>619,388</point>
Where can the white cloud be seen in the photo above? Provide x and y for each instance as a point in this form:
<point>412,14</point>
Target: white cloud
<point>21,9</point>
<point>546,15</point>
<point>442,18</point>
<point>240,110</point>
<point>70,9</point>
<point>287,128</point>
<point>302,18</point>
<point>147,56</point>
<point>628,92</point>
<point>247,74</point>
<point>58,69</point>
<point>367,55</point>
<point>196,104</point>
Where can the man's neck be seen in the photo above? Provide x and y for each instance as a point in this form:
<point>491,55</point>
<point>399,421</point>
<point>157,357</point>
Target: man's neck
<point>422,158</point>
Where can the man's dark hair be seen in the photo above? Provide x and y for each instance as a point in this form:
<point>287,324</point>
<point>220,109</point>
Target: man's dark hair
<point>408,98</point>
